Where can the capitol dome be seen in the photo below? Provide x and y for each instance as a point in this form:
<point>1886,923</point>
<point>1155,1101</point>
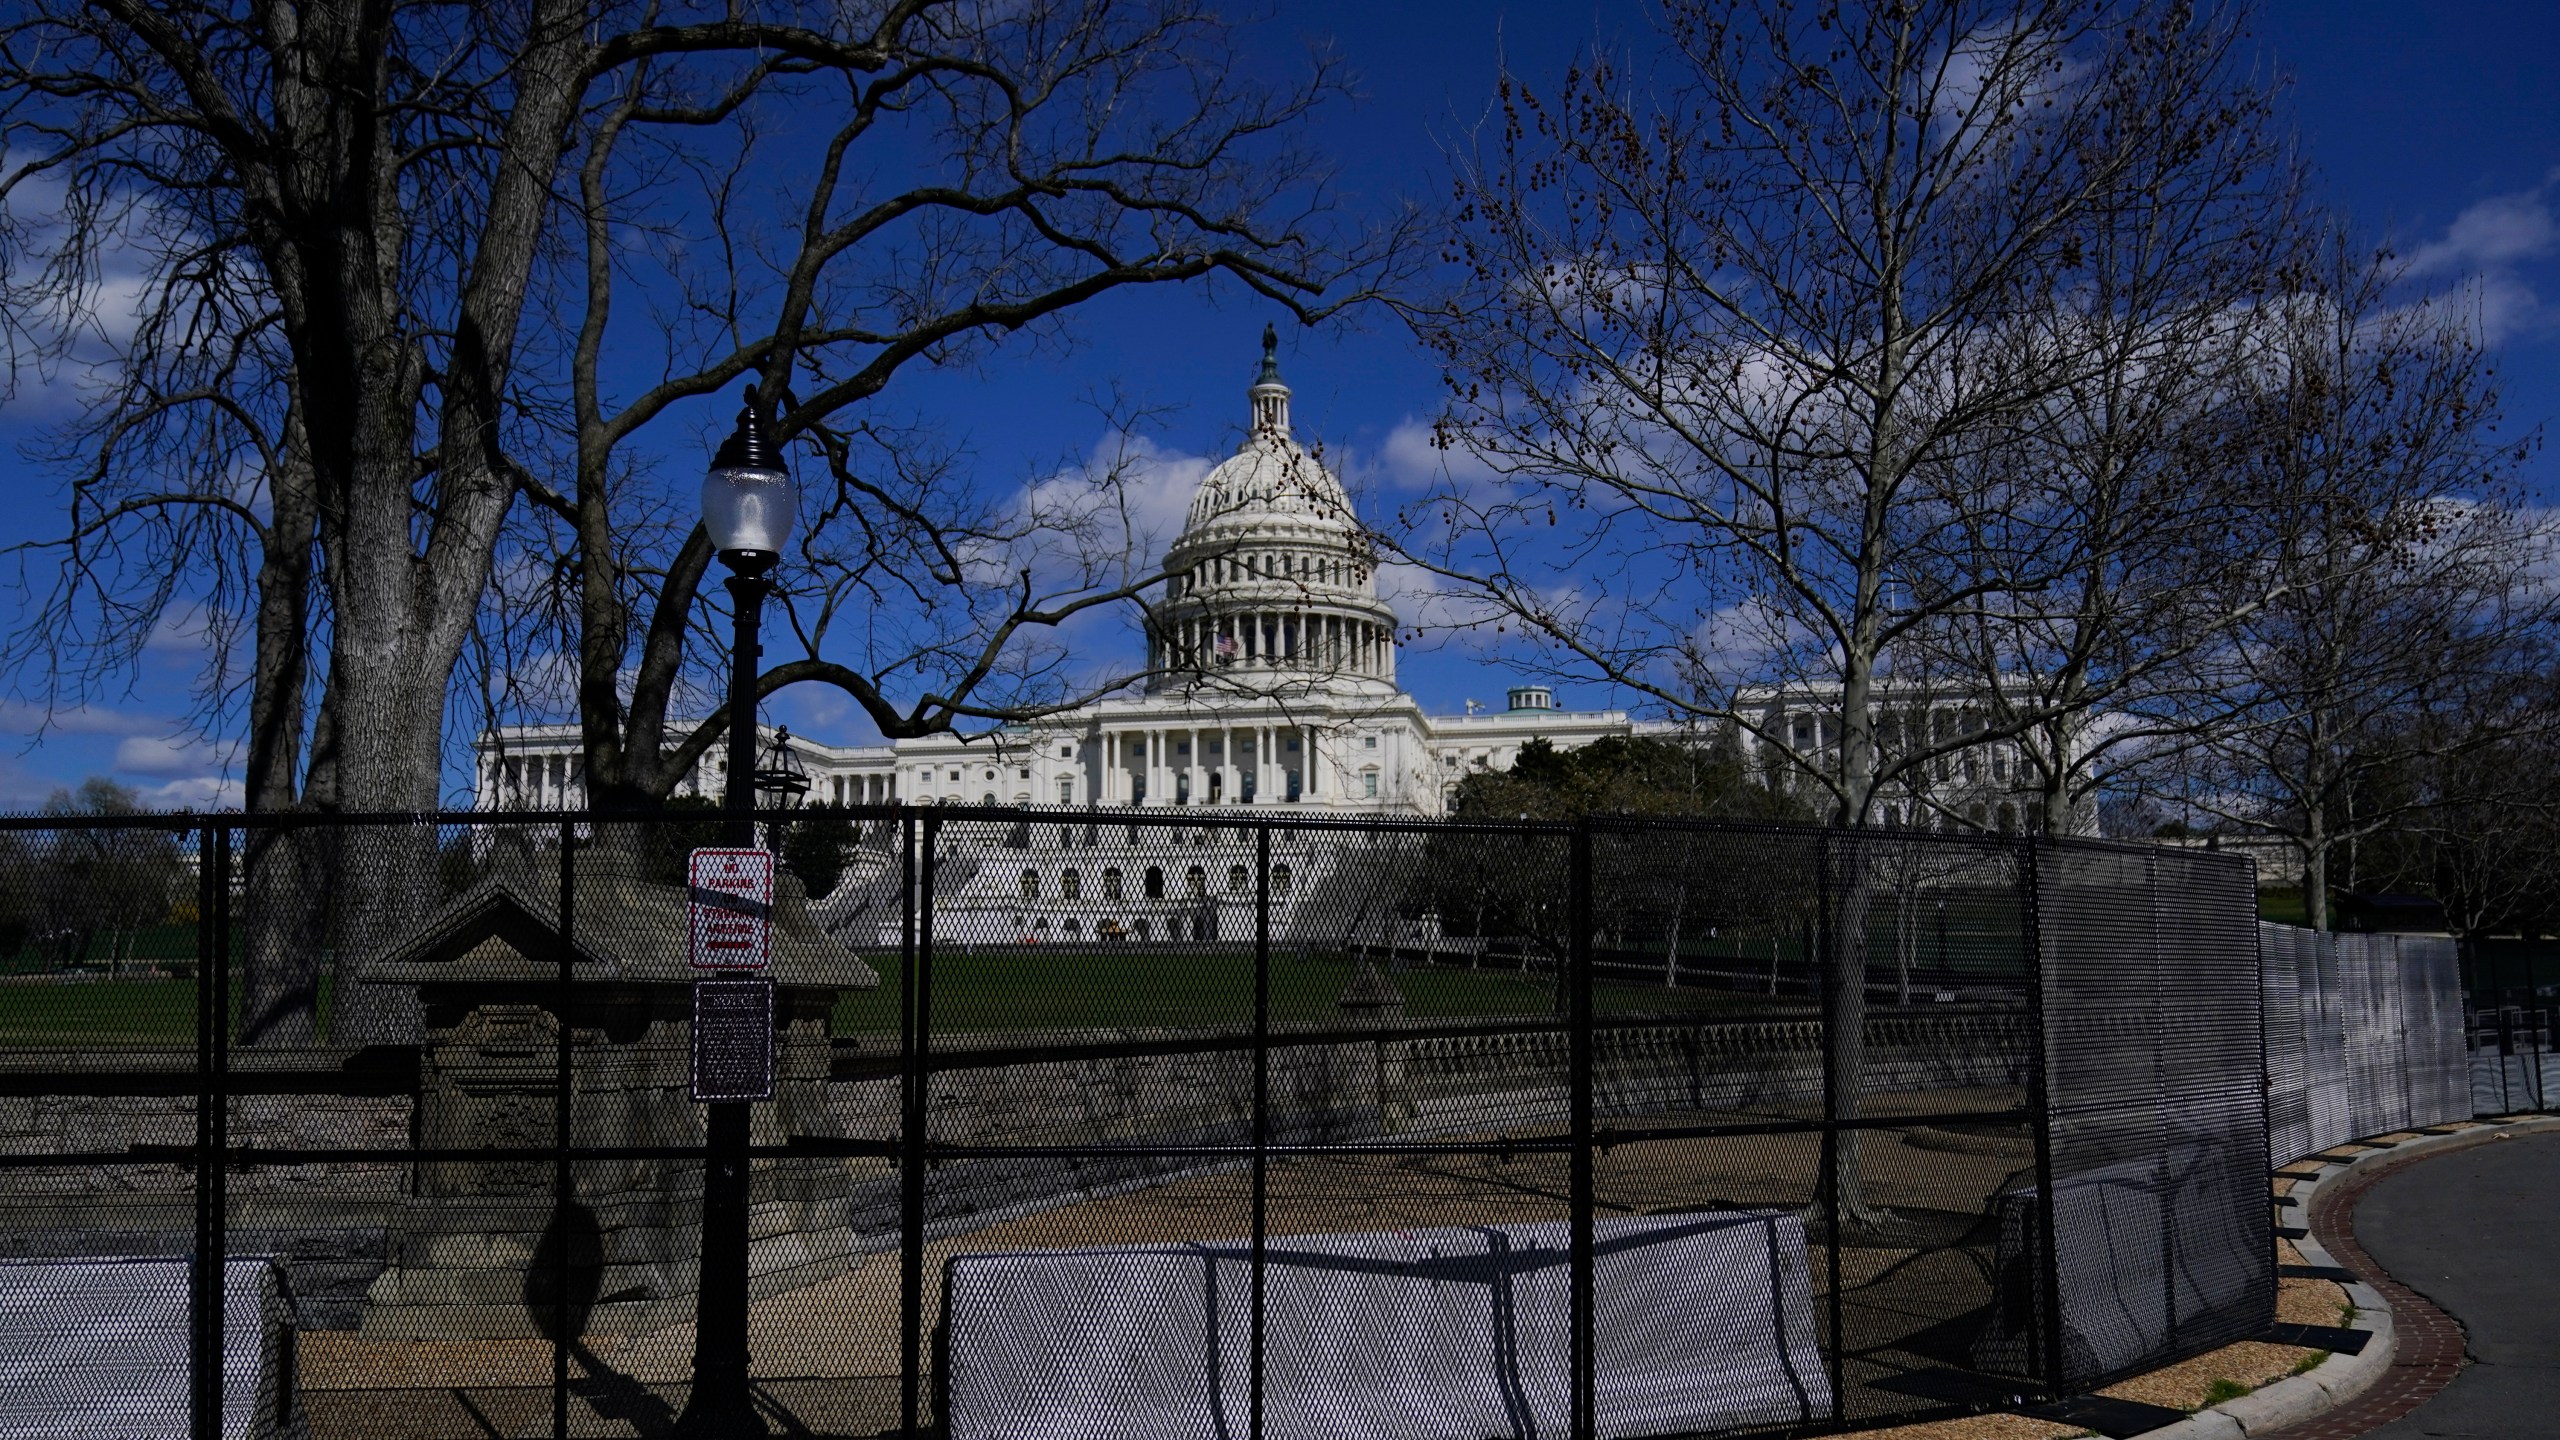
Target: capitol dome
<point>1273,578</point>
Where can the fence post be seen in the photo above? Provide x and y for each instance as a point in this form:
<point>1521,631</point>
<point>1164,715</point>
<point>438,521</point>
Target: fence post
<point>915,985</point>
<point>213,1131</point>
<point>1819,955</point>
<point>2048,1278</point>
<point>563,1182</point>
<point>1261,1097</point>
<point>1580,1084</point>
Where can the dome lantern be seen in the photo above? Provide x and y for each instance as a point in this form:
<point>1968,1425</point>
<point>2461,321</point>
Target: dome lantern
<point>1270,396</point>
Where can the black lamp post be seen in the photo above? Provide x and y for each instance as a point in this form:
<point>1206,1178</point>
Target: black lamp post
<point>748,505</point>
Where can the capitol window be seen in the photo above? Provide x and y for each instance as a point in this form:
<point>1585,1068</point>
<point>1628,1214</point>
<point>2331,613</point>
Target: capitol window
<point>1279,879</point>
<point>1111,883</point>
<point>1239,880</point>
<point>1030,884</point>
<point>1197,880</point>
<point>1071,885</point>
<point>1155,882</point>
<point>1369,784</point>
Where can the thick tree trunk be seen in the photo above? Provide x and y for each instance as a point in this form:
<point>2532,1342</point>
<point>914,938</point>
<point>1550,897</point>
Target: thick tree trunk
<point>286,880</point>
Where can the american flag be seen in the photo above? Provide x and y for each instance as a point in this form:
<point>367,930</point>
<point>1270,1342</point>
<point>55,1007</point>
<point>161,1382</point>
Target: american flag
<point>1227,648</point>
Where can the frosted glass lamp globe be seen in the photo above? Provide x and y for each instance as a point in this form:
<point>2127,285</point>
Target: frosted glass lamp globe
<point>748,501</point>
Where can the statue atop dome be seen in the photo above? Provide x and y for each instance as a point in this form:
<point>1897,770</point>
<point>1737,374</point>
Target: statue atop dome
<point>1270,396</point>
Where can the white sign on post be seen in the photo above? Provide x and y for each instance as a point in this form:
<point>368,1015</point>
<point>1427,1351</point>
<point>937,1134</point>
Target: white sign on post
<point>730,908</point>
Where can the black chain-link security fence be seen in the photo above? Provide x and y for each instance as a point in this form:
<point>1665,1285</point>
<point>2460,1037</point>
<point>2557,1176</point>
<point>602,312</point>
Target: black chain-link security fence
<point>1190,1120</point>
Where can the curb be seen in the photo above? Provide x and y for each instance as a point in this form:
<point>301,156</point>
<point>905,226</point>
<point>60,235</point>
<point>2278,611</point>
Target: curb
<point>2340,1378</point>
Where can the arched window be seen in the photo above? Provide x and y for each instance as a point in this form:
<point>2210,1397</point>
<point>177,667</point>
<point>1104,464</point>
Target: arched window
<point>1280,879</point>
<point>1146,928</point>
<point>1155,882</point>
<point>1030,884</point>
<point>1040,926</point>
<point>987,799</point>
<point>1198,880</point>
<point>1072,926</point>
<point>1111,883</point>
<point>1239,880</point>
<point>1071,885</point>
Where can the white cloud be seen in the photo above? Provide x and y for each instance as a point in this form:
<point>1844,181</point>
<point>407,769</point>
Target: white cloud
<point>1133,488</point>
<point>1432,603</point>
<point>1411,460</point>
<point>167,754</point>
<point>2487,250</point>
<point>2494,233</point>
<point>77,720</point>
<point>201,792</point>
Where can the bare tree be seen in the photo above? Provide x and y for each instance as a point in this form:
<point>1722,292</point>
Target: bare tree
<point>331,217</point>
<point>329,225</point>
<point>2480,822</point>
<point>1752,337</point>
<point>2412,592</point>
<point>997,168</point>
<point>1753,340</point>
<point>2142,531</point>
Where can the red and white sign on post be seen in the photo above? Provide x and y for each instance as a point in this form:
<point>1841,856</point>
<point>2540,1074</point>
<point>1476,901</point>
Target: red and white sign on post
<point>730,908</point>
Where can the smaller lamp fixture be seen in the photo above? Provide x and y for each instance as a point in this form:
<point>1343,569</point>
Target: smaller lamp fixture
<point>779,772</point>
<point>748,501</point>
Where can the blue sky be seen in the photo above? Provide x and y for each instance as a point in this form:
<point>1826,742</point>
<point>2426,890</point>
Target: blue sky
<point>2434,125</point>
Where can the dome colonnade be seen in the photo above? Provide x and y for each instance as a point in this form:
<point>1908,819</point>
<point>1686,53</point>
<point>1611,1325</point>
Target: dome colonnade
<point>1274,578</point>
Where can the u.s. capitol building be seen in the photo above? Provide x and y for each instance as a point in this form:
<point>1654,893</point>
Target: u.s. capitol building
<point>1273,665</point>
<point>1273,683</point>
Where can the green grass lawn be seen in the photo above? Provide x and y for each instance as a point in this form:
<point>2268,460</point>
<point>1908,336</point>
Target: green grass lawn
<point>1008,990</point>
<point>1035,990</point>
<point>2283,905</point>
<point>114,1014</point>
<point>117,1013</point>
<point>152,945</point>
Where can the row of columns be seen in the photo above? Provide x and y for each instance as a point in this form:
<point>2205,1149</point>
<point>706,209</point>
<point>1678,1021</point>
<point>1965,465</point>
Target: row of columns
<point>557,782</point>
<point>1162,779</point>
<point>534,782</point>
<point>862,789</point>
<point>1266,638</point>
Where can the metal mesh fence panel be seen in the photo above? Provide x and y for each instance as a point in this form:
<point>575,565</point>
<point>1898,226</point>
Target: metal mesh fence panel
<point>2156,1216</point>
<point>2365,1036</point>
<point>2281,975</point>
<point>1238,1120</point>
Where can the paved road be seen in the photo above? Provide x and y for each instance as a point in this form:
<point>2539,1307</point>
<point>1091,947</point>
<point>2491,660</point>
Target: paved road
<point>2478,1233</point>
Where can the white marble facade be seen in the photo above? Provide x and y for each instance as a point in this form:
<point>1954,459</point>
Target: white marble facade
<point>1274,664</point>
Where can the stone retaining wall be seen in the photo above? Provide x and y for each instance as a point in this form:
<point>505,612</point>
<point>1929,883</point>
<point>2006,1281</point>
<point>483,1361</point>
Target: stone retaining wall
<point>446,1249</point>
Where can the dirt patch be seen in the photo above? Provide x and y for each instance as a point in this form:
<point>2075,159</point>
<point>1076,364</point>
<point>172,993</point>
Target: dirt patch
<point>2185,1385</point>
